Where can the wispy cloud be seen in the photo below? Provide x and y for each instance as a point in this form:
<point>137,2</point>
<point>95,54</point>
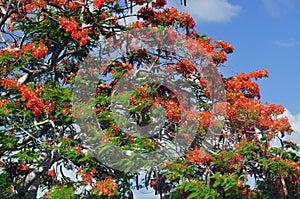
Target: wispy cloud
<point>285,44</point>
<point>210,10</point>
<point>277,8</point>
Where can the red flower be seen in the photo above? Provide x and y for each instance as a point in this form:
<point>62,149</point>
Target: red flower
<point>198,156</point>
<point>11,188</point>
<point>77,148</point>
<point>228,48</point>
<point>184,66</point>
<point>73,5</point>
<point>40,52</point>
<point>153,182</point>
<point>33,102</point>
<point>186,20</point>
<point>105,187</point>
<point>98,3</point>
<point>160,3</point>
<point>51,173</point>
<point>71,26</point>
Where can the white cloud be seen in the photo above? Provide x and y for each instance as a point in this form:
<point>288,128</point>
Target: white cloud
<point>277,8</point>
<point>285,44</point>
<point>209,10</point>
<point>295,122</point>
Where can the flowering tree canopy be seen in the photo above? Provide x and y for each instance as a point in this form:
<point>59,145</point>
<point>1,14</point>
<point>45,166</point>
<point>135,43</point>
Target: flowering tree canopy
<point>44,45</point>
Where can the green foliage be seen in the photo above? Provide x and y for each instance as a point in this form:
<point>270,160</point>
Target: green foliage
<point>44,125</point>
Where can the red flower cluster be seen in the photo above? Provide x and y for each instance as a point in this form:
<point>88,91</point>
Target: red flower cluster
<point>146,13</point>
<point>245,109</point>
<point>71,26</point>
<point>51,173</point>
<point>40,52</point>
<point>87,177</point>
<point>72,6</point>
<point>167,17</point>
<point>205,119</point>
<point>204,47</point>
<point>118,66</point>
<point>184,66</point>
<point>186,20</point>
<point>33,102</point>
<point>98,3</point>
<point>228,48</point>
<point>242,84</point>
<point>58,2</point>
<point>11,54</point>
<point>159,3</point>
<point>105,187</point>
<point>198,156</point>
<point>37,50</point>
<point>34,5</point>
<point>77,149</point>
<point>173,111</point>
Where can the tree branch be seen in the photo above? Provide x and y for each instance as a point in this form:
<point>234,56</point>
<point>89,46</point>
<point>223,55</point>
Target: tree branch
<point>47,159</point>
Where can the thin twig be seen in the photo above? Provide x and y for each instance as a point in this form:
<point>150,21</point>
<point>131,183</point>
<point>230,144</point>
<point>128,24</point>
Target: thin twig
<point>26,132</point>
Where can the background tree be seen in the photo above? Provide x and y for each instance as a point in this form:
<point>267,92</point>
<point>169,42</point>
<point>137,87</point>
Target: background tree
<point>44,43</point>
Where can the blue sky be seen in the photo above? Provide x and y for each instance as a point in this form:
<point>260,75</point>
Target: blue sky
<point>265,34</point>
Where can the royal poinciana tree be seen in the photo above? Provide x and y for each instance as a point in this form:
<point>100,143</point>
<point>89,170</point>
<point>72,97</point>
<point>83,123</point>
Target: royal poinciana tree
<point>43,44</point>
